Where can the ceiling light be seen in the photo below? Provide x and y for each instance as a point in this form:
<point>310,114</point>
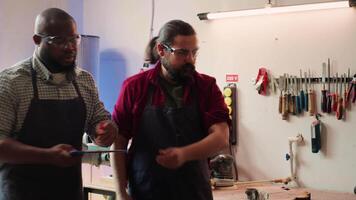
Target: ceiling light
<point>269,9</point>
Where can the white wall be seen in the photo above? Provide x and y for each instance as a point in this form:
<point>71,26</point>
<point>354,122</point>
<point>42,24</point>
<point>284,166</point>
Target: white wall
<point>17,18</point>
<point>282,43</point>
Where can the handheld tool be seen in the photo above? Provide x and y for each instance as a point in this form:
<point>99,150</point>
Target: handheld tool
<point>297,97</point>
<point>352,89</point>
<point>80,153</point>
<point>284,100</point>
<point>329,96</point>
<point>293,97</point>
<point>348,84</point>
<point>316,129</point>
<point>345,93</point>
<point>335,95</point>
<point>340,109</point>
<point>323,91</point>
<point>301,93</point>
<point>311,97</point>
<point>281,88</point>
<point>289,96</point>
<point>306,101</point>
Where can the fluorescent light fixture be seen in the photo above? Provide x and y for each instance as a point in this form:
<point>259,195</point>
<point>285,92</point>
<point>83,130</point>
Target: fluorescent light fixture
<point>276,10</point>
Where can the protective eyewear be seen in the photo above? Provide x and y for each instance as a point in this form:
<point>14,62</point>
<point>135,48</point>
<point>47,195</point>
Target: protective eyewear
<point>60,41</point>
<point>181,52</point>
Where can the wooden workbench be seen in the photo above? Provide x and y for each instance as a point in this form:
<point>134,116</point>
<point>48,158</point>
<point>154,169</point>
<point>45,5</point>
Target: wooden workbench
<point>278,192</point>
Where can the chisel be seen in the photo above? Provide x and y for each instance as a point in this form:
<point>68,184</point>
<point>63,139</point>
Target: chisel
<point>301,94</point>
<point>323,91</point>
<point>281,88</point>
<point>329,96</point>
<point>306,108</point>
<point>292,106</point>
<point>284,100</point>
<point>340,109</point>
<point>347,86</point>
<point>311,97</point>
<point>297,97</point>
<point>335,96</point>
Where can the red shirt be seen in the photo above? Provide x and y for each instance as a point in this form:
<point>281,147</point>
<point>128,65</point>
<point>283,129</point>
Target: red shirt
<point>133,96</point>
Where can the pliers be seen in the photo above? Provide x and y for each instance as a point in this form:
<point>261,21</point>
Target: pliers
<point>352,88</point>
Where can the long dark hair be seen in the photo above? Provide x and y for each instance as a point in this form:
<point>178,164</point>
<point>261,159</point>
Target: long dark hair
<point>173,28</point>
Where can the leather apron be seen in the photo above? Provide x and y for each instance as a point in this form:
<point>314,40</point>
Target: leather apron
<point>47,123</point>
<point>160,128</point>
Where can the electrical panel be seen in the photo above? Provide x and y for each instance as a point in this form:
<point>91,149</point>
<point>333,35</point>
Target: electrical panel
<point>230,98</point>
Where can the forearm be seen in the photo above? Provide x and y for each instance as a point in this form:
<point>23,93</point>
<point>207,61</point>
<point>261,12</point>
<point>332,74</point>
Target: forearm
<point>118,161</point>
<point>13,151</point>
<point>217,140</point>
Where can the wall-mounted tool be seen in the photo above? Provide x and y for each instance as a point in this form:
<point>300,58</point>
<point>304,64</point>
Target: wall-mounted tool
<point>281,87</point>
<point>306,108</point>
<point>352,90</point>
<point>230,96</point>
<point>298,106</point>
<point>340,107</point>
<point>323,91</point>
<point>329,96</point>
<point>301,93</point>
<point>311,97</point>
<point>316,130</point>
<point>285,99</point>
<point>336,94</point>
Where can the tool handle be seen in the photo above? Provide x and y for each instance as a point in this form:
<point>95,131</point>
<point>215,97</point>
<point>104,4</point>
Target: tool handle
<point>329,103</point>
<point>335,102</point>
<point>339,112</point>
<point>306,101</point>
<point>311,103</point>
<point>323,101</point>
<point>345,102</point>
<point>288,100</point>
<point>298,107</point>
<point>284,107</point>
<point>280,104</point>
<point>292,105</point>
<point>302,100</point>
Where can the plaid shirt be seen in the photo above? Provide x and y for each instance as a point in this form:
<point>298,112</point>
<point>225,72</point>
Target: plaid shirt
<point>16,93</point>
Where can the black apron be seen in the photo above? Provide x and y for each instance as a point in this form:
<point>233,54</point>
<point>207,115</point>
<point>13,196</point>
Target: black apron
<point>47,123</point>
<point>160,128</point>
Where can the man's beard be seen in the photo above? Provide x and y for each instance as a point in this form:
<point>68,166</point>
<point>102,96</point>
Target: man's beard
<point>181,75</point>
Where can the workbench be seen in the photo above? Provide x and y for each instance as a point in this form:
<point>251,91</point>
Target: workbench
<point>279,192</point>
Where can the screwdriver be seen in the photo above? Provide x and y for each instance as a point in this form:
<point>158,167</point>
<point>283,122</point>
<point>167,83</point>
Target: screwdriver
<point>298,106</point>
<point>301,94</point>
<point>339,112</point>
<point>346,105</point>
<point>306,108</point>
<point>335,96</point>
<point>293,97</point>
<point>329,96</point>
<point>281,87</point>
<point>311,98</point>
<point>323,91</point>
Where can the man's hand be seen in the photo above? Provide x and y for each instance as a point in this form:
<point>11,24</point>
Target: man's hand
<point>171,158</point>
<point>106,133</point>
<point>59,155</point>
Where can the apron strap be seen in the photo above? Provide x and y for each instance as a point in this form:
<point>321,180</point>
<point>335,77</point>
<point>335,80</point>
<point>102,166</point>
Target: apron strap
<point>34,83</point>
